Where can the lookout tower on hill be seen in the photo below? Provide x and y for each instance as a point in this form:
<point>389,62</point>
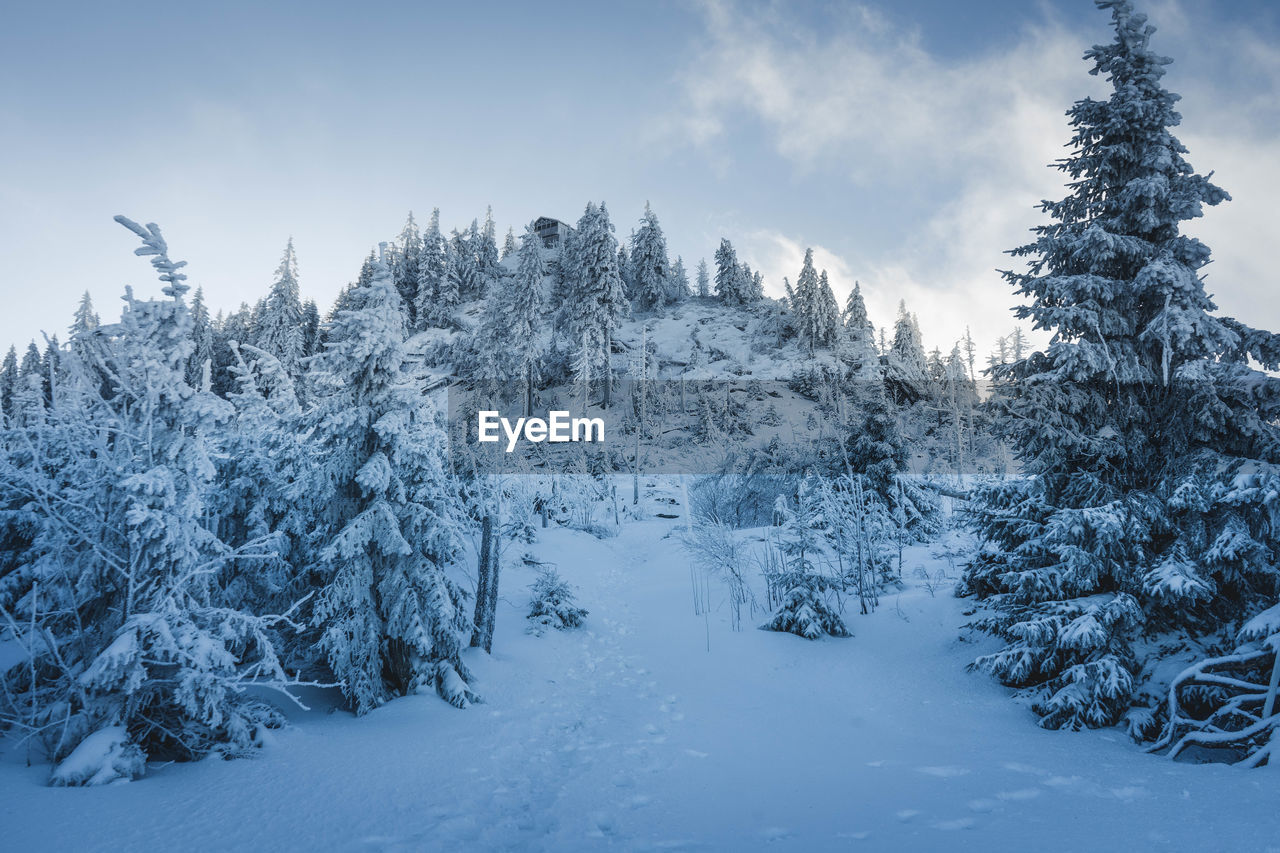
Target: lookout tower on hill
<point>551,231</point>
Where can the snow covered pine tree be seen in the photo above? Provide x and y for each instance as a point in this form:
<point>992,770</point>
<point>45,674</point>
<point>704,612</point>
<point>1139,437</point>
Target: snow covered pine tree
<point>552,604</point>
<point>1149,442</point>
<point>391,622</point>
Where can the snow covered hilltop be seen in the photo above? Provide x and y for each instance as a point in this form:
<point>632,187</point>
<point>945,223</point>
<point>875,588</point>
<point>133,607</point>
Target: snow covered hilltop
<point>213,528</point>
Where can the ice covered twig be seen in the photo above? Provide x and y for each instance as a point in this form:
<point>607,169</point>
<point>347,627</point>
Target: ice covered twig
<point>153,244</point>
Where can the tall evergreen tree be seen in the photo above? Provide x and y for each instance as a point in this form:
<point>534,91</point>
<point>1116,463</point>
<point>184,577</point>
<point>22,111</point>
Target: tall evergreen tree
<point>678,288</point>
<point>404,268</point>
<point>310,328</point>
<point>1148,438</point>
<point>906,373</point>
<point>857,347</point>
<point>806,304</point>
<point>526,311</point>
<point>278,328</point>
<point>435,296</point>
<point>85,319</point>
<point>649,265</point>
<point>237,327</point>
<point>626,270</point>
<point>31,360</point>
<point>463,275</point>
<point>487,251</point>
<point>390,620</point>
<point>50,365</point>
<point>597,300</point>
<point>854,319</point>
<point>704,280</point>
<point>746,283</point>
<point>728,274</point>
<point>8,380</point>
<point>202,341</point>
<point>828,325</point>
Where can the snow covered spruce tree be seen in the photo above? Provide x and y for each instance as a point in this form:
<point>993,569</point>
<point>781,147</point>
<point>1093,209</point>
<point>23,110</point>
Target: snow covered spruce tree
<point>201,358</point>
<point>728,279</point>
<point>678,288</point>
<point>596,302</point>
<point>434,297</point>
<point>906,374</point>
<point>132,651</point>
<point>527,341</point>
<point>279,327</point>
<point>390,621</point>
<point>1149,442</point>
<point>703,280</point>
<point>857,345</point>
<point>804,303</point>
<point>8,379</point>
<point>650,269</point>
<point>552,604</point>
<point>261,497</point>
<point>404,269</point>
<point>510,342</point>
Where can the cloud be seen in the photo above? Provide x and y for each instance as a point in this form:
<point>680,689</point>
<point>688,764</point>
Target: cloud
<point>959,145</point>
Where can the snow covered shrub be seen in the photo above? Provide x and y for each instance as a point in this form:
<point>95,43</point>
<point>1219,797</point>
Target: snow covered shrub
<point>803,609</point>
<point>740,494</point>
<point>798,590</point>
<point>1149,440</point>
<point>815,380</point>
<point>715,547</point>
<point>861,530</point>
<point>577,494</point>
<point>553,604</point>
<point>721,415</point>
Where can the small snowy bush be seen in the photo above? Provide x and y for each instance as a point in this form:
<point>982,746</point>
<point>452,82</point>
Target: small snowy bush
<point>797,588</point>
<point>803,608</point>
<point>553,604</point>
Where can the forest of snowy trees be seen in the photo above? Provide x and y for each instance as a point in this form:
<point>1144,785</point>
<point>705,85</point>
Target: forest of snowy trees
<point>202,515</point>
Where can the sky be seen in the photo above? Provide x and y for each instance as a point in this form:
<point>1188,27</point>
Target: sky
<point>906,141</point>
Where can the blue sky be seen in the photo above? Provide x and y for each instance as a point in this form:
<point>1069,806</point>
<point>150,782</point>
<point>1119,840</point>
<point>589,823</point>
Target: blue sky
<point>905,140</point>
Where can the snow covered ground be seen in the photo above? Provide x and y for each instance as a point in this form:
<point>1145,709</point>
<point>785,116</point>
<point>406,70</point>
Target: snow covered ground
<point>655,729</point>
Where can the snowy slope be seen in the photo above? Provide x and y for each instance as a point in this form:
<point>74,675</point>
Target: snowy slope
<point>651,728</point>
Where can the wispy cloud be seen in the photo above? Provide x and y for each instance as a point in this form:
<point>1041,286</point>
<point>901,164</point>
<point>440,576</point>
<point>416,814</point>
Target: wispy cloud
<point>965,140</point>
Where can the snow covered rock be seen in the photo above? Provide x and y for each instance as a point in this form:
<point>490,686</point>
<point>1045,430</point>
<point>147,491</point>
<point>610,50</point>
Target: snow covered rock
<point>104,757</point>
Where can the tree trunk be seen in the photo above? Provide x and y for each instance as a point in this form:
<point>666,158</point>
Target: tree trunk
<point>528,390</point>
<point>491,609</point>
<point>608,358</point>
<point>483,582</point>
